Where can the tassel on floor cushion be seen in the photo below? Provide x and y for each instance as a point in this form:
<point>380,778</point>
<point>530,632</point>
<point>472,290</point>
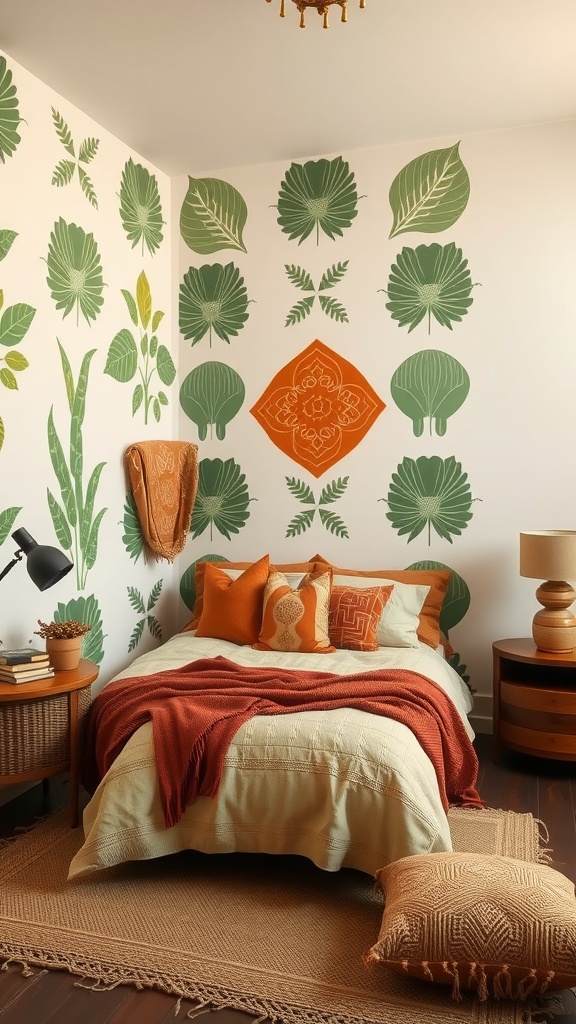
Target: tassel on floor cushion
<point>164,480</point>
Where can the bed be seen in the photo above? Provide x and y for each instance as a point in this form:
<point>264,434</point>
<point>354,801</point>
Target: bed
<point>341,787</point>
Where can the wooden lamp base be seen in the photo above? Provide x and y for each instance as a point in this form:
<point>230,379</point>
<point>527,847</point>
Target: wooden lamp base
<point>554,626</point>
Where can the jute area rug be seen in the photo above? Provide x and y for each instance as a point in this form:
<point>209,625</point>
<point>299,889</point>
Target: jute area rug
<point>273,936</point>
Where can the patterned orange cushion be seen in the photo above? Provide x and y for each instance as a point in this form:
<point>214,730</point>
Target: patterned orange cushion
<point>224,565</point>
<point>232,609</point>
<point>354,616</point>
<point>296,620</point>
<point>501,927</point>
<point>436,579</point>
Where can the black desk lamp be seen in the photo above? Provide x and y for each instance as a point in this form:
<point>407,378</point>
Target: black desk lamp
<point>45,565</point>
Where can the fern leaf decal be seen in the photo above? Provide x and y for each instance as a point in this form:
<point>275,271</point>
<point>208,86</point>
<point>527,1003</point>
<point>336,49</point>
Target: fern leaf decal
<point>63,132</point>
<point>136,635</point>
<point>136,600</point>
<point>335,310</point>
<point>63,173</point>
<point>65,169</point>
<point>333,523</point>
<point>334,274</point>
<point>87,187</point>
<point>154,595</point>
<point>154,627</point>
<point>331,492</point>
<point>88,150</point>
<point>300,311</point>
<point>299,277</point>
<point>301,491</point>
<point>300,523</point>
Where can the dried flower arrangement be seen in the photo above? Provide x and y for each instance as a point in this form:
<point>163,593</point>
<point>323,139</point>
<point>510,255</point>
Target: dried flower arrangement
<point>61,630</point>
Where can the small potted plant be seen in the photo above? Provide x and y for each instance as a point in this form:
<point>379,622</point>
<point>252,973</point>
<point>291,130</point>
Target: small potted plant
<point>63,642</point>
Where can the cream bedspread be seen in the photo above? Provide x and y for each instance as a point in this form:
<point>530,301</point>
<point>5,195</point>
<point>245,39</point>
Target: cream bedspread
<point>343,788</point>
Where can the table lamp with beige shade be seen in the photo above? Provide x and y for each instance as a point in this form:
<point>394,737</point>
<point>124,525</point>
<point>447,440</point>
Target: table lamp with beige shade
<point>550,555</point>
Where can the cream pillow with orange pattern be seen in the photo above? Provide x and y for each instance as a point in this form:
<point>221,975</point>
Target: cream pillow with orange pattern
<point>296,620</point>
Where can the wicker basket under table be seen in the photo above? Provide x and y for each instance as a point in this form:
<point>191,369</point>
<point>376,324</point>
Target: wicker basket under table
<point>41,728</point>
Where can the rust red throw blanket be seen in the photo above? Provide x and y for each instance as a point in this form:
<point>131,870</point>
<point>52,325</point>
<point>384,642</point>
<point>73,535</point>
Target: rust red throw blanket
<point>196,710</point>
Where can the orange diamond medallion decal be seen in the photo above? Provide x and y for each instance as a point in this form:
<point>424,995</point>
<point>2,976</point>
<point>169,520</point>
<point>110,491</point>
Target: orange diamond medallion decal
<point>317,408</point>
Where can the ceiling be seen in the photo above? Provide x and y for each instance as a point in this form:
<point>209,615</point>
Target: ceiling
<point>202,85</point>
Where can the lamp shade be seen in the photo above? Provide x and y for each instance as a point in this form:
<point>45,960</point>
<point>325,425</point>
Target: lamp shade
<point>548,554</point>
<point>45,564</point>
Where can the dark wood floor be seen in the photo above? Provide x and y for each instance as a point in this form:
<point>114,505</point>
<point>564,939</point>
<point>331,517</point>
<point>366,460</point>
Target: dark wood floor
<point>547,789</point>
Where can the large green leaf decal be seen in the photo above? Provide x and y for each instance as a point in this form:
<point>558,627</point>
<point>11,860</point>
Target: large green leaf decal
<point>213,216</point>
<point>75,271</point>
<point>431,280</point>
<point>212,297</point>
<point>430,383</point>
<point>188,579</point>
<point>222,498</point>
<point>457,600</point>
<point>431,492</point>
<point>86,610</point>
<point>15,322</point>
<point>7,519</point>
<point>133,538</point>
<point>211,395</point>
<point>430,193</point>
<point>140,207</point>
<point>7,238</point>
<point>319,194</point>
<point>9,112</point>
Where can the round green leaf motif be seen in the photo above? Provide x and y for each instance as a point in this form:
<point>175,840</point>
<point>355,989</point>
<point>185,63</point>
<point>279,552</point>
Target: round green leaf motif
<point>430,193</point>
<point>431,384</point>
<point>9,113</point>
<point>319,194</point>
<point>211,395</point>
<point>74,271</point>
<point>431,492</point>
<point>429,281</point>
<point>140,207</point>
<point>222,498</point>
<point>188,579</point>
<point>457,600</point>
<point>212,298</point>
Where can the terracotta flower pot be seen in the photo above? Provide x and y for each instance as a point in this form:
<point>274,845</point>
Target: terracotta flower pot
<point>64,652</point>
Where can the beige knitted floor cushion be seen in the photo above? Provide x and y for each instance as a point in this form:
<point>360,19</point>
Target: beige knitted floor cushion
<point>273,936</point>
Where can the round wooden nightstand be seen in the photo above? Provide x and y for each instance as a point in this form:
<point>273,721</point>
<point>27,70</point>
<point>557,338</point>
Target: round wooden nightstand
<point>41,725</point>
<point>534,700</point>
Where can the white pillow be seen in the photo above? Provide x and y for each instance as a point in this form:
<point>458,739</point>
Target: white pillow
<point>399,620</point>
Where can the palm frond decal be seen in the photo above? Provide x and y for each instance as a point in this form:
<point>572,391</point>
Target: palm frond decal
<point>321,195</point>
<point>431,492</point>
<point>222,499</point>
<point>140,207</point>
<point>212,298</point>
<point>430,193</point>
<point>86,610</point>
<point>213,216</point>
<point>429,281</point>
<point>133,538</point>
<point>9,113</point>
<point>75,271</point>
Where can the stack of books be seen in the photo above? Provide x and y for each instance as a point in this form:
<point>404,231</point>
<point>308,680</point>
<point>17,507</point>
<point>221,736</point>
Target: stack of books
<point>24,666</point>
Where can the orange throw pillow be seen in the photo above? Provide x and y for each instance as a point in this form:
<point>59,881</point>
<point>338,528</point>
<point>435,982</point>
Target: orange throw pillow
<point>232,609</point>
<point>354,616</point>
<point>437,579</point>
<point>296,620</point>
<point>199,582</point>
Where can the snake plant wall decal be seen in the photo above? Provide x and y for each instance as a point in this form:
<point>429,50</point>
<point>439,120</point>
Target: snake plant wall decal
<point>429,281</point>
<point>212,298</point>
<point>75,271</point>
<point>9,113</point>
<point>140,207</point>
<point>320,195</point>
<point>430,193</point>
<point>430,492</point>
<point>213,216</point>
<point>64,170</point>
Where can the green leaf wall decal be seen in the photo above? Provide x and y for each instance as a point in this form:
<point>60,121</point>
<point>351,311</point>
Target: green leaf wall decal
<point>212,297</point>
<point>431,492</point>
<point>132,537</point>
<point>75,271</point>
<point>213,216</point>
<point>7,520</point>
<point>430,383</point>
<point>9,112</point>
<point>222,498</point>
<point>430,193</point>
<point>431,280</point>
<point>188,579</point>
<point>65,169</point>
<point>6,241</point>
<point>304,494</point>
<point>211,395</point>
<point>14,323</point>
<point>457,600</point>
<point>319,194</point>
<point>86,610</point>
<point>140,207</point>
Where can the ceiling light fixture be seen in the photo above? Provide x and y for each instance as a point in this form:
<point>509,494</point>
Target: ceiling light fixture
<point>322,6</point>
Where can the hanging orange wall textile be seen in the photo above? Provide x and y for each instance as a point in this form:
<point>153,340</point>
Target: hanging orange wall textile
<point>163,477</point>
<point>317,408</point>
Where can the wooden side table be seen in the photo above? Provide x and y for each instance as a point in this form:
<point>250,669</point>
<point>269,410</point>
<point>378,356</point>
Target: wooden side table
<point>534,700</point>
<point>41,726</point>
